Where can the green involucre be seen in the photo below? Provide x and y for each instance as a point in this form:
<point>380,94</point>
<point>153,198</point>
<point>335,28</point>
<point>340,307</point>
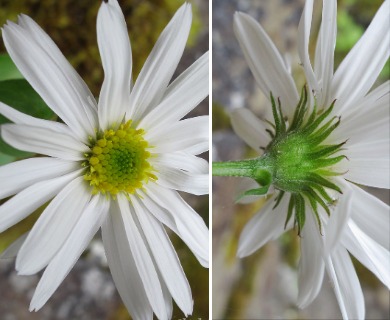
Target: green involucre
<point>296,161</point>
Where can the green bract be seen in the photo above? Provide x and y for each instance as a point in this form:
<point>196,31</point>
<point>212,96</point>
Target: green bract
<point>296,161</point>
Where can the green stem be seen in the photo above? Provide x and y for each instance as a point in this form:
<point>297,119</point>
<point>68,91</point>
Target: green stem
<point>257,169</point>
<point>242,168</point>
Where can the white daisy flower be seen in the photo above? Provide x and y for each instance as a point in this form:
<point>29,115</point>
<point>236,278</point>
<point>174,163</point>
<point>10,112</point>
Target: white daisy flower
<point>115,165</point>
<point>318,152</point>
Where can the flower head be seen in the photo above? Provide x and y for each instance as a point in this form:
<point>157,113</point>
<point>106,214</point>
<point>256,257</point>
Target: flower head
<point>317,152</point>
<point>115,165</point>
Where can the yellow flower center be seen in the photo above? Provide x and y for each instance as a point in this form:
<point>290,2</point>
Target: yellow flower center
<point>118,161</point>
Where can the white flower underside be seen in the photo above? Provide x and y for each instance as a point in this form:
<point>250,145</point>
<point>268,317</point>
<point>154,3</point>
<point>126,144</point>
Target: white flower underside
<point>365,123</point>
<point>142,260</point>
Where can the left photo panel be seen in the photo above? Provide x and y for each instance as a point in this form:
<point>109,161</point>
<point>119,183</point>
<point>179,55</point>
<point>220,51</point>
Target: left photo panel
<point>104,162</point>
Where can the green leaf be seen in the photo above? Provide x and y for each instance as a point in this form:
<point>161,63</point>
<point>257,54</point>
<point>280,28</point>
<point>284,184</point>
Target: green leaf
<point>5,158</point>
<point>20,95</point>
<point>8,68</point>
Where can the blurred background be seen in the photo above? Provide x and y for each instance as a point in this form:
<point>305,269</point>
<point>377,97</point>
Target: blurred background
<point>88,292</point>
<point>264,285</point>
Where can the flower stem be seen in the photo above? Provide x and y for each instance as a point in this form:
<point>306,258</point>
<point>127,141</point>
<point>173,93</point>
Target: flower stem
<point>257,169</point>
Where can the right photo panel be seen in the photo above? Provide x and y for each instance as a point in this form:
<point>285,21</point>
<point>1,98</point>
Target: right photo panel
<point>301,157</point>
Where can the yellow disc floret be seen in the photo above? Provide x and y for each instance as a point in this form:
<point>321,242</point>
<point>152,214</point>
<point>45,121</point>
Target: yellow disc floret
<point>118,161</point>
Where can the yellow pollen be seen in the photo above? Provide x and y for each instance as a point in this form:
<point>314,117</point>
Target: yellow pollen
<point>118,161</point>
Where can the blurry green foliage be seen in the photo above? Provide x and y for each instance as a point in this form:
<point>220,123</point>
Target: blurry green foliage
<point>8,69</point>
<point>348,32</point>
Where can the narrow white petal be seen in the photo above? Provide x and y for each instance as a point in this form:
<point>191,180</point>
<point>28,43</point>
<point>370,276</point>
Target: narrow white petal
<point>361,67</point>
<point>371,215</point>
<point>371,254</point>
<point>142,259</point>
<point>368,143</point>
<point>43,141</point>
<point>180,180</point>
<point>160,213</point>
<point>53,227</point>
<point>187,223</point>
<point>346,284</point>
<point>311,263</point>
<point>180,136</point>
<point>303,45</point>
<point>47,70</point>
<point>328,42</point>
<point>182,95</point>
<point>368,164</point>
<point>339,216</point>
<point>167,296</point>
<point>368,120</point>
<point>165,257</point>
<point>115,51</point>
<point>265,61</point>
<point>28,200</point>
<point>89,223</point>
<point>22,118</point>
<point>181,160</point>
<point>249,128</point>
<point>18,175</point>
<point>123,268</point>
<point>161,64</point>
<point>13,249</point>
<point>265,226</point>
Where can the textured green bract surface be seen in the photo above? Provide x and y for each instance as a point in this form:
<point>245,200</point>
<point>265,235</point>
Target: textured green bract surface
<point>296,161</point>
<point>21,96</point>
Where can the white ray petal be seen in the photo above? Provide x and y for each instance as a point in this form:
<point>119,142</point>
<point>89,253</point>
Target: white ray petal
<point>89,223</point>
<point>361,67</point>
<point>249,128</point>
<point>53,228</point>
<point>159,67</point>
<point>371,215</point>
<point>181,136</point>
<point>22,118</point>
<point>43,141</point>
<point>371,254</point>
<point>328,42</point>
<point>303,45</point>
<point>346,284</point>
<point>182,95</point>
<point>18,175</point>
<point>181,160</point>
<point>51,75</point>
<point>123,268</point>
<point>339,216</point>
<point>115,51</point>
<point>142,259</point>
<point>180,180</point>
<point>187,223</point>
<point>311,263</point>
<point>31,198</point>
<point>265,226</point>
<point>265,61</point>
<point>368,162</point>
<point>165,257</point>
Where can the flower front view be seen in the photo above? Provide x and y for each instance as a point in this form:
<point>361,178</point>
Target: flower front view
<point>115,165</point>
<point>324,141</point>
